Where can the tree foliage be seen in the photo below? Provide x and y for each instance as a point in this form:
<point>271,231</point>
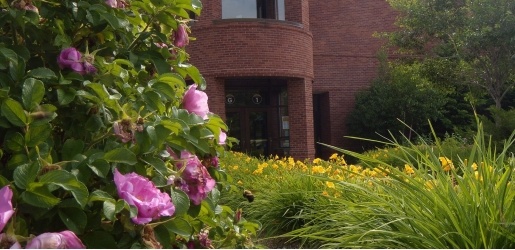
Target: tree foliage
<point>399,99</point>
<point>478,34</point>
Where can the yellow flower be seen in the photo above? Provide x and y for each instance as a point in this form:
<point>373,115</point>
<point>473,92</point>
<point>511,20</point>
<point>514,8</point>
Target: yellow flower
<point>275,166</point>
<point>325,193</point>
<point>330,184</point>
<point>334,156</point>
<point>317,161</point>
<point>258,171</point>
<point>240,182</point>
<point>446,164</point>
<point>474,166</point>
<point>235,167</point>
<point>408,169</point>
<point>317,170</point>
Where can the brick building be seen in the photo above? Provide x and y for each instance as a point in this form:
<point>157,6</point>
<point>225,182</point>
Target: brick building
<point>283,73</point>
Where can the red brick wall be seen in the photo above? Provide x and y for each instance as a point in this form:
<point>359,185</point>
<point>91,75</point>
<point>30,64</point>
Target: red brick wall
<point>330,41</point>
<point>260,48</point>
<point>344,53</point>
<point>300,103</point>
<point>252,47</point>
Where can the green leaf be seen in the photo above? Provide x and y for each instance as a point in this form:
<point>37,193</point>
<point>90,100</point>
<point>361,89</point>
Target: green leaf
<point>17,70</point>
<point>74,218</point>
<point>25,174</point>
<point>195,75</point>
<point>109,208</point>
<point>165,89</point>
<point>175,125</point>
<point>206,133</point>
<point>65,95</point>
<point>37,134</point>
<point>33,92</point>
<point>179,226</point>
<point>100,167</point>
<point>4,92</point>
<point>14,141</point>
<point>167,84</point>
<point>71,147</point>
<point>216,121</point>
<point>99,195</point>
<point>68,182</point>
<point>158,165</point>
<point>162,66</point>
<point>13,111</point>
<point>181,201</point>
<point>9,54</point>
<point>121,155</point>
<point>190,118</point>
<point>153,101</point>
<point>39,196</point>
<point>42,73</point>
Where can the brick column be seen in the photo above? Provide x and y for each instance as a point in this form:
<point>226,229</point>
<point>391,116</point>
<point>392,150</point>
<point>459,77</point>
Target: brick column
<point>297,11</point>
<point>300,108</point>
<point>216,95</point>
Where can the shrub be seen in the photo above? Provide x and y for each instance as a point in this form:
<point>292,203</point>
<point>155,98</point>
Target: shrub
<point>401,95</point>
<point>95,90</point>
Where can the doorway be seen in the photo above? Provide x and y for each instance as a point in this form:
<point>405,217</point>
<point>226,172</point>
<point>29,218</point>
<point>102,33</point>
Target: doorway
<point>250,127</point>
<point>256,112</point>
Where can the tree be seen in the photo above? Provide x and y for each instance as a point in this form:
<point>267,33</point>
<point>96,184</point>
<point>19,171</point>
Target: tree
<point>399,95</point>
<point>479,34</point>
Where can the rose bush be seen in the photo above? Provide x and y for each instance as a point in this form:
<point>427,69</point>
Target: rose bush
<point>94,107</point>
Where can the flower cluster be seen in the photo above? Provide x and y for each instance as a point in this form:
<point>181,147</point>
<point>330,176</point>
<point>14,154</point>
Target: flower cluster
<point>6,206</point>
<point>180,36</point>
<point>119,4</point>
<point>194,179</point>
<point>140,192</point>
<point>64,239</point>
<point>195,101</point>
<point>71,58</point>
<point>25,5</point>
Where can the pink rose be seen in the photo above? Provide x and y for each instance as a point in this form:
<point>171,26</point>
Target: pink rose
<point>71,58</point>
<point>138,191</point>
<point>195,101</point>
<point>195,179</point>
<point>180,36</point>
<point>120,4</point>
<point>222,137</point>
<point>64,239</point>
<point>6,206</point>
<point>31,7</point>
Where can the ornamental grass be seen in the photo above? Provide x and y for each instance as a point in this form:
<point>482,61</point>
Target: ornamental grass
<point>426,200</point>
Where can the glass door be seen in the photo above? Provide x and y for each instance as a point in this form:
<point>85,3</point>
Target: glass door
<point>250,127</point>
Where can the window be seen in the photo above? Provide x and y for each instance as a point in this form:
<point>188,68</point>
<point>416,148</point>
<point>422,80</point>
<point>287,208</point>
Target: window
<point>271,9</point>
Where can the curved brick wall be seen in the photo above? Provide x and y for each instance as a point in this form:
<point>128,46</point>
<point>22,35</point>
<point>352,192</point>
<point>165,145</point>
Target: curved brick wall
<point>252,47</point>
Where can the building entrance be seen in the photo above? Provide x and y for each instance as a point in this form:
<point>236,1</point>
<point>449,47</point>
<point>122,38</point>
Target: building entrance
<point>250,126</point>
<point>257,115</point>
